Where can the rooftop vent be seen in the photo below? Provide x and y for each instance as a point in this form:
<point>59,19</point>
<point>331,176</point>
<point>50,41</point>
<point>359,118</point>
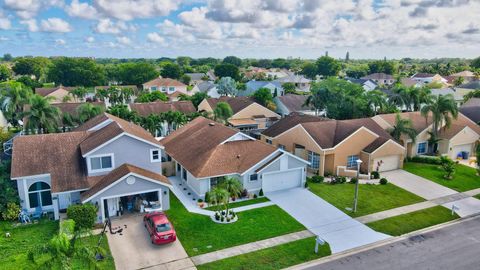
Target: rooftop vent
<point>238,156</point>
<point>211,124</point>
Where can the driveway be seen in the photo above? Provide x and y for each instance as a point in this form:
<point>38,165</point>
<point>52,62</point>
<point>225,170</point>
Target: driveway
<point>417,185</point>
<point>133,250</point>
<point>323,219</point>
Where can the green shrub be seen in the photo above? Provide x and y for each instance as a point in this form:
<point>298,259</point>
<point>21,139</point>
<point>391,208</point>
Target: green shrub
<point>67,227</point>
<point>255,196</point>
<point>427,160</point>
<point>200,200</point>
<point>383,181</point>
<point>353,180</point>
<point>12,211</point>
<point>317,179</point>
<point>306,184</point>
<point>375,175</point>
<point>448,165</point>
<point>84,215</point>
<point>261,192</point>
<point>207,197</point>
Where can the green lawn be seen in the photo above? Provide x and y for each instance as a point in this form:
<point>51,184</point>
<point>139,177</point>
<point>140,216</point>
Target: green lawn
<point>477,196</point>
<point>277,257</point>
<point>371,198</point>
<point>13,251</point>
<point>413,221</point>
<point>464,179</point>
<point>199,234</point>
<point>243,203</point>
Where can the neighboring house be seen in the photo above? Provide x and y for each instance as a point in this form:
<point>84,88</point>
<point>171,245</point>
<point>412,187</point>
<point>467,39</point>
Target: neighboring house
<point>203,152</point>
<point>291,103</point>
<point>460,137</point>
<point>427,78</point>
<point>333,146</point>
<point>196,78</point>
<point>302,84</point>
<point>107,161</point>
<point>247,114</point>
<point>473,85</point>
<point>471,109</point>
<point>252,86</point>
<point>57,94</point>
<point>409,82</point>
<point>207,87</point>
<point>456,94</point>
<point>172,88</point>
<point>145,109</point>
<point>367,84</point>
<point>467,75</point>
<point>380,78</point>
<point>211,75</point>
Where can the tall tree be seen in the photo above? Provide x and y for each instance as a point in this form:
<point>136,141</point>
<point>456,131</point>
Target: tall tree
<point>41,116</point>
<point>309,70</point>
<point>36,66</point>
<point>263,96</point>
<point>171,70</point>
<point>227,70</point>
<point>227,87</point>
<point>136,73</point>
<point>87,111</point>
<point>14,96</point>
<point>328,66</point>
<point>5,73</point>
<point>402,127</point>
<point>76,72</point>
<point>232,60</point>
<point>222,111</point>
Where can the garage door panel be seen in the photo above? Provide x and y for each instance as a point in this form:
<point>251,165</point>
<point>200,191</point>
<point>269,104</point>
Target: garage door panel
<point>388,163</point>
<point>461,148</point>
<point>281,180</point>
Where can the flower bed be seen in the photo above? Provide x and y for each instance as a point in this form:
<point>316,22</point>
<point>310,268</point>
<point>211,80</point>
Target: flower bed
<point>223,217</point>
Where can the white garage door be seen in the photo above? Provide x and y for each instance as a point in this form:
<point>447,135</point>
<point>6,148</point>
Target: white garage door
<point>461,148</point>
<point>388,163</point>
<point>281,180</point>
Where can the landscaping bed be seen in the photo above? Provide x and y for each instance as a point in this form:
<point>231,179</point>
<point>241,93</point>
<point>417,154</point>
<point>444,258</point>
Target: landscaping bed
<point>413,221</point>
<point>199,234</point>
<point>371,198</point>
<point>277,257</point>
<point>241,203</point>
<point>464,179</point>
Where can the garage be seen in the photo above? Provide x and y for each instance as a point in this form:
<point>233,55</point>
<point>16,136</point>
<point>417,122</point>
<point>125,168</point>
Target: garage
<point>387,163</point>
<point>458,149</point>
<point>274,181</point>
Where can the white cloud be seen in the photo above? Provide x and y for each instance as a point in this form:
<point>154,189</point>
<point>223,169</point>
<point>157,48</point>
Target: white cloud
<point>90,39</point>
<point>31,25</point>
<point>5,22</point>
<point>55,25</point>
<point>60,42</point>
<point>107,26</point>
<point>124,40</point>
<point>155,38</point>
<point>27,9</point>
<point>131,9</point>
<point>81,10</point>
<point>2,38</point>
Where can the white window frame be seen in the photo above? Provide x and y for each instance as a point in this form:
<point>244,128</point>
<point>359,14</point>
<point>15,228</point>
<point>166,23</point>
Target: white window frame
<point>39,195</point>
<point>418,148</point>
<point>159,155</point>
<point>356,157</point>
<point>250,177</point>
<point>312,154</point>
<point>171,89</point>
<point>153,88</point>
<point>89,163</point>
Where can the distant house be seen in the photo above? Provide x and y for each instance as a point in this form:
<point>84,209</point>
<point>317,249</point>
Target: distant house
<point>471,109</point>
<point>211,75</point>
<point>380,78</point>
<point>247,114</point>
<point>252,86</point>
<point>467,75</point>
<point>207,87</point>
<point>427,78</point>
<point>172,88</point>
<point>457,94</point>
<point>291,103</point>
<point>58,94</point>
<point>409,82</point>
<point>196,78</point>
<point>367,84</point>
<point>473,85</point>
<point>301,83</point>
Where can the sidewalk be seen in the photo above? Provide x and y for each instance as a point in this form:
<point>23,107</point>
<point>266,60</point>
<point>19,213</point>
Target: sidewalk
<point>395,212</point>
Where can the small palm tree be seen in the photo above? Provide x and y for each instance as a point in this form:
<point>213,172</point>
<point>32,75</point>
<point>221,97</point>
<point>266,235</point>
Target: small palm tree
<point>222,111</point>
<point>402,127</point>
<point>13,97</point>
<point>87,111</point>
<point>79,93</point>
<point>376,100</point>
<point>448,166</point>
<point>42,116</point>
<point>233,187</point>
<point>219,197</point>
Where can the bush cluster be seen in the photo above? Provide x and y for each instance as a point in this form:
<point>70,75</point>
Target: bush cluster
<point>83,215</point>
<point>316,179</point>
<point>427,160</point>
<point>375,175</point>
<point>338,180</point>
<point>383,181</point>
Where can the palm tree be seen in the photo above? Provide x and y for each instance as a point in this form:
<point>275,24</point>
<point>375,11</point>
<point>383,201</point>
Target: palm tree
<point>233,187</point>
<point>152,123</point>
<point>42,116</point>
<point>402,127</point>
<point>174,119</point>
<point>400,97</point>
<point>87,111</point>
<point>13,97</point>
<point>126,94</point>
<point>317,99</point>
<point>218,196</point>
<point>442,110</point>
<point>222,111</point>
<point>79,93</point>
<point>376,100</point>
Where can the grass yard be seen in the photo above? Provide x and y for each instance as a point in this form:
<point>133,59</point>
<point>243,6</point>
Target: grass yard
<point>199,234</point>
<point>91,241</point>
<point>277,257</point>
<point>371,198</point>
<point>477,196</point>
<point>413,221</point>
<point>242,203</point>
<point>464,179</point>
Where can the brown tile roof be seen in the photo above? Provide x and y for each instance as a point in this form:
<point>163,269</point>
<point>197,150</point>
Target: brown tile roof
<point>378,76</point>
<point>236,103</point>
<point>289,122</point>
<point>408,82</point>
<point>294,103</point>
<point>57,154</point>
<point>419,123</point>
<point>93,122</point>
<point>163,82</point>
<point>458,125</point>
<point>145,109</point>
<point>104,181</point>
<point>45,91</point>
<point>207,155</point>
<point>423,75</point>
<point>375,144</point>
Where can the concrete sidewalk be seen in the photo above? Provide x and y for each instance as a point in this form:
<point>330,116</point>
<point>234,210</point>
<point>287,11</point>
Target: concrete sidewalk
<point>395,212</point>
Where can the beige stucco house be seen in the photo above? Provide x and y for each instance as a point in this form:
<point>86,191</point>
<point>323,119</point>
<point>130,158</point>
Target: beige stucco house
<point>332,146</point>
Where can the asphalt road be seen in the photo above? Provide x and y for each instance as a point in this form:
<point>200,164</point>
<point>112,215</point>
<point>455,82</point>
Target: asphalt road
<point>453,247</point>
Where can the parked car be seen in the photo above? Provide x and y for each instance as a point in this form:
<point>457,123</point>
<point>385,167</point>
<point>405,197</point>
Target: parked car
<point>159,228</point>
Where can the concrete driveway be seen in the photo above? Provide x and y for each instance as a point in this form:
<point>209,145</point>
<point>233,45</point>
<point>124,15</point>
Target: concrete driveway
<point>323,219</point>
<point>417,185</point>
<point>133,249</point>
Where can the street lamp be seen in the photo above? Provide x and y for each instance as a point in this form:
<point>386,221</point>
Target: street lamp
<point>356,185</point>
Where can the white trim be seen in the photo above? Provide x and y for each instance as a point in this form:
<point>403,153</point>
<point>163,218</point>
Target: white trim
<point>122,178</point>
<point>383,145</point>
<point>159,155</point>
<point>416,148</point>
<point>70,191</point>
<point>469,120</point>
<point>459,133</point>
<point>276,114</point>
<point>130,193</point>
<point>25,193</point>
<point>266,158</point>
<point>145,141</point>
<point>241,134</point>
<point>101,125</point>
<point>117,137</point>
<point>31,176</point>
<point>89,163</point>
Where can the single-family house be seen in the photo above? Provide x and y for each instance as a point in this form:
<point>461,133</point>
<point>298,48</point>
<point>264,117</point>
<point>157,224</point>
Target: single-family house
<point>301,83</point>
<point>207,87</point>
<point>248,115</point>
<point>252,86</point>
<point>196,78</point>
<point>469,86</point>
<point>203,152</point>
<point>467,75</point>
<point>57,94</point>
<point>333,146</point>
<point>107,161</point>
<point>409,82</point>
<point>461,136</point>
<point>172,88</point>
<point>380,78</point>
<point>456,94</point>
<point>471,109</point>
<point>427,78</point>
<point>367,84</point>
<point>291,103</point>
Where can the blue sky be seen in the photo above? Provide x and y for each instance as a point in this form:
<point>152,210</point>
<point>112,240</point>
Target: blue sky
<point>246,28</point>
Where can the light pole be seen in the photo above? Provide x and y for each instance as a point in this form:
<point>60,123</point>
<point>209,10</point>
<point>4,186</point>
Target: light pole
<point>356,186</point>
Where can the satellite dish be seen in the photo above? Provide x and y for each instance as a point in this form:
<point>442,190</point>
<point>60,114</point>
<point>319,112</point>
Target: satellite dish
<point>131,180</point>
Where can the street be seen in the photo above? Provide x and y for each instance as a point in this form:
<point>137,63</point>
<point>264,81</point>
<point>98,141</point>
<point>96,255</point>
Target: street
<point>453,247</point>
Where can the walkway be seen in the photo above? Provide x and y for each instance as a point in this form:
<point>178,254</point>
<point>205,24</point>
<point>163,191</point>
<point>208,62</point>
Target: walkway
<point>321,218</point>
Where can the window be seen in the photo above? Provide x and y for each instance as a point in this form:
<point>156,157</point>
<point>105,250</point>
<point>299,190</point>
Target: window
<point>184,174</point>
<point>281,146</point>
<point>269,141</point>
<point>352,161</point>
<point>155,155</point>
<point>39,195</point>
<point>153,88</point>
<point>215,181</point>
<point>171,89</point>
<point>179,167</point>
<point>164,89</point>
<point>254,177</point>
<point>422,148</point>
<point>314,159</point>
<point>101,163</point>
